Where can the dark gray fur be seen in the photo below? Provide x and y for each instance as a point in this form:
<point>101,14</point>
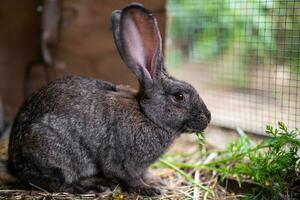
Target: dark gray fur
<point>80,134</point>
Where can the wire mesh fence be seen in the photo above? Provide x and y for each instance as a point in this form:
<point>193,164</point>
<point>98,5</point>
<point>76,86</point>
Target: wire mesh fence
<point>242,55</point>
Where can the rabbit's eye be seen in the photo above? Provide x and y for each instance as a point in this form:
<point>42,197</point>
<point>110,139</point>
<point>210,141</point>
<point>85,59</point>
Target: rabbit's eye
<point>178,96</point>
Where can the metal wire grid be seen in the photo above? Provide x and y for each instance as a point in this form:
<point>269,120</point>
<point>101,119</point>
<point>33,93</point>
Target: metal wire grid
<point>248,77</point>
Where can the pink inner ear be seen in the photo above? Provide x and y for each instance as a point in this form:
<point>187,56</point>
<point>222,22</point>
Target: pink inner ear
<point>134,43</point>
<point>135,46</point>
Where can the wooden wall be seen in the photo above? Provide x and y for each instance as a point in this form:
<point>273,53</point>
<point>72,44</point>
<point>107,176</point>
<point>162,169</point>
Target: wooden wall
<point>86,45</point>
<point>18,45</point>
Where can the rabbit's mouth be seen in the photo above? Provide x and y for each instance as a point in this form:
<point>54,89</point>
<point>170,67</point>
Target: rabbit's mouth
<point>190,130</point>
<point>193,130</point>
<point>196,125</point>
<point>193,127</point>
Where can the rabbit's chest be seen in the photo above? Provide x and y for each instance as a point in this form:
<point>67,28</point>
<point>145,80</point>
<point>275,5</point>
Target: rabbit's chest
<point>143,141</point>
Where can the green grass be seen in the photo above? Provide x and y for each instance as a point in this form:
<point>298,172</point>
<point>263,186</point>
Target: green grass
<point>272,165</point>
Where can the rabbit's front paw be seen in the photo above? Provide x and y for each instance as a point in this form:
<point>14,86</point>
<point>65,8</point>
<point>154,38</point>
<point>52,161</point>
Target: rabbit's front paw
<point>151,191</point>
<point>153,180</point>
<point>146,191</point>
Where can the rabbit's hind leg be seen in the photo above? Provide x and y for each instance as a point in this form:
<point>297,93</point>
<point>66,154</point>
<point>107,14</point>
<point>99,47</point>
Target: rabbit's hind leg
<point>45,179</point>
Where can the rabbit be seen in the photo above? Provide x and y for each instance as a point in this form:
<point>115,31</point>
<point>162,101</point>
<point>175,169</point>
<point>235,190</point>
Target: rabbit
<point>80,134</point>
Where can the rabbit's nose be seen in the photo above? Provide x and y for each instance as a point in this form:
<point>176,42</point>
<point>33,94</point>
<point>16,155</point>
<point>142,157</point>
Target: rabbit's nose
<point>208,115</point>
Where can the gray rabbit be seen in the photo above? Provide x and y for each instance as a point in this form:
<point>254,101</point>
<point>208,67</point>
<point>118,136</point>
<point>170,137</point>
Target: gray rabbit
<point>80,134</point>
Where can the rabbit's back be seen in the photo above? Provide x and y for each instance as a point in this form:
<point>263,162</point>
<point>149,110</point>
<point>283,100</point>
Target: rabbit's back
<point>64,94</point>
<point>69,96</point>
<point>72,105</point>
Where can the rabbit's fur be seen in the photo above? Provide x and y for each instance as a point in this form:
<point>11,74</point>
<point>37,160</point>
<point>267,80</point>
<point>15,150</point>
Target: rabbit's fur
<point>81,134</point>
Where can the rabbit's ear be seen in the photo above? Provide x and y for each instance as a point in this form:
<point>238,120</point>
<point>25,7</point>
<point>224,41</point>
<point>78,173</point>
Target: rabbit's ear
<point>138,40</point>
<point>115,19</point>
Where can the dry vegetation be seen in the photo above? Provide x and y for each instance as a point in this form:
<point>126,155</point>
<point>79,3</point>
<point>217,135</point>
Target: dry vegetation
<point>245,169</point>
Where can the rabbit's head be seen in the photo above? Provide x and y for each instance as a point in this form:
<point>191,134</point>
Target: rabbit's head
<point>171,104</point>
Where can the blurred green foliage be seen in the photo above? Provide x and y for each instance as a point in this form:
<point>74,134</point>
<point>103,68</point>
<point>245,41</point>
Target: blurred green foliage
<point>257,31</point>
